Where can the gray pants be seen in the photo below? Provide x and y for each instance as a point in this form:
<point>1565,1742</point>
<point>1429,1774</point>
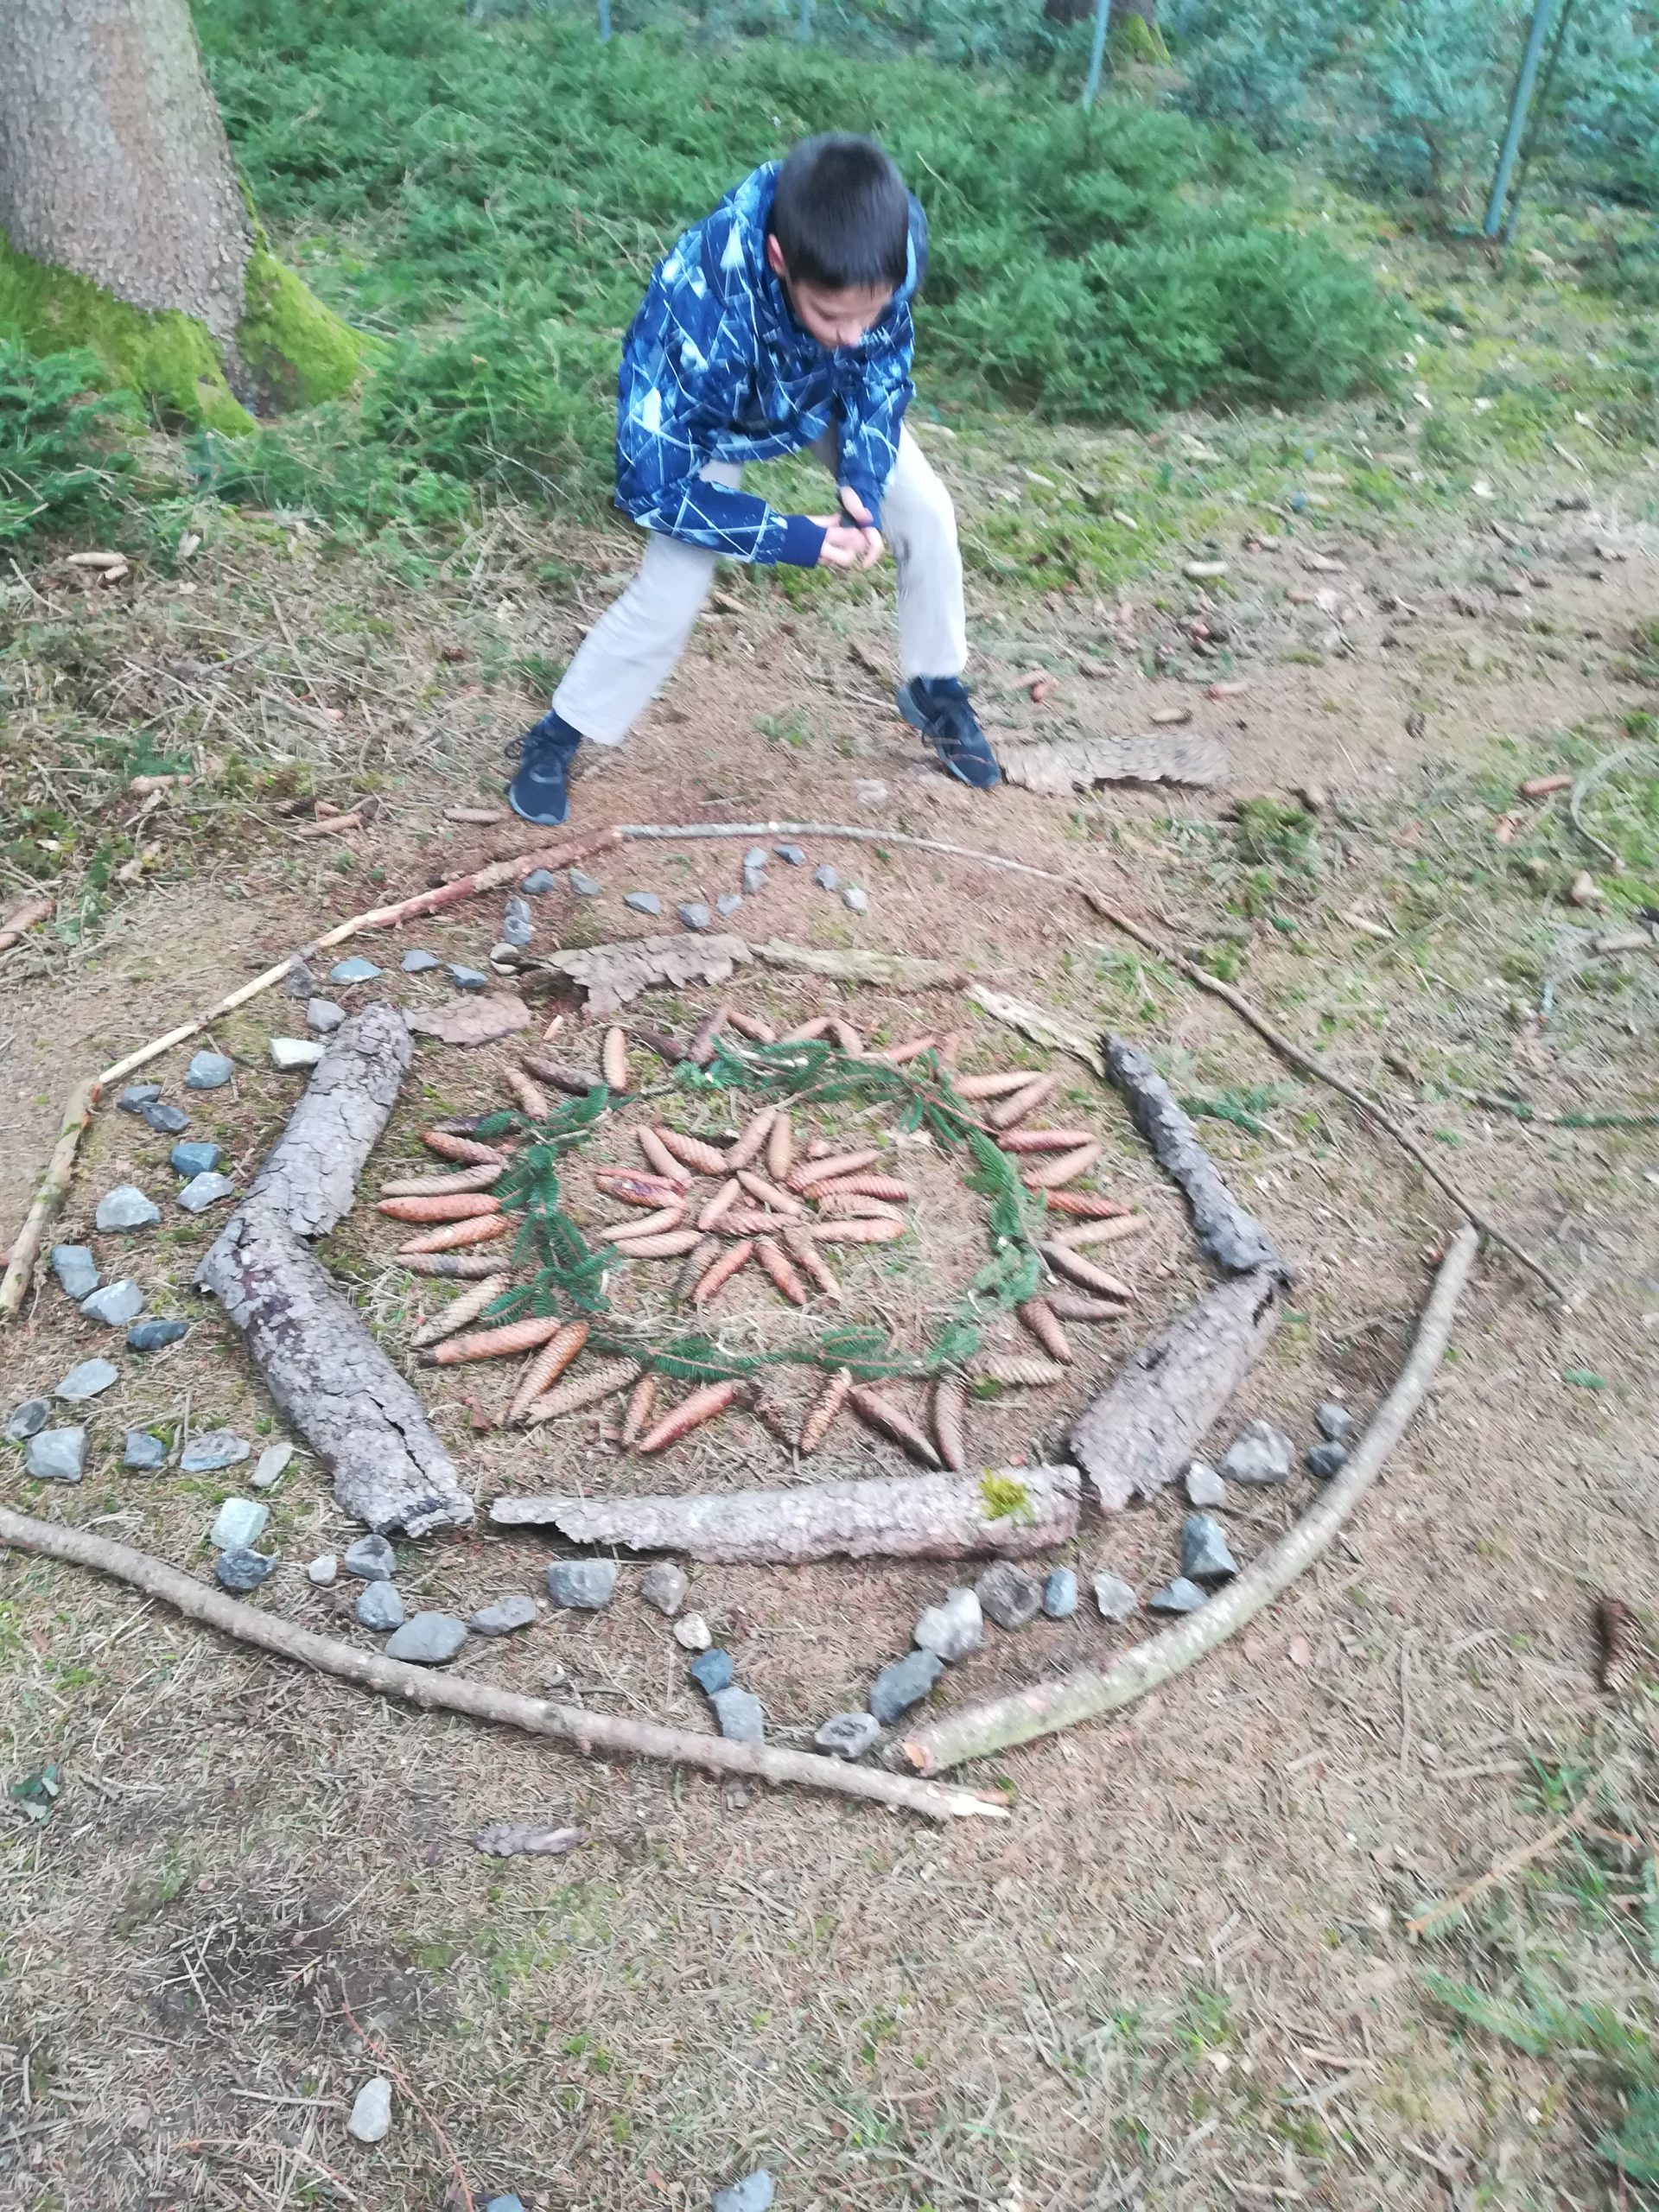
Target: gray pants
<point>629,652</point>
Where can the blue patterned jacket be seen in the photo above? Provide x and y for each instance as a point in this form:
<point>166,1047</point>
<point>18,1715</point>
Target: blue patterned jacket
<point>716,367</point>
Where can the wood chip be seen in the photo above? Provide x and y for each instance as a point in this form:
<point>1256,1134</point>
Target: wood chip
<point>1081,764</point>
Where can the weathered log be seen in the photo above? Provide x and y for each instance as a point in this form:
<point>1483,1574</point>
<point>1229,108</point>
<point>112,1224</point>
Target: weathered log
<point>1142,1431</point>
<point>326,1373</point>
<point>925,1516</point>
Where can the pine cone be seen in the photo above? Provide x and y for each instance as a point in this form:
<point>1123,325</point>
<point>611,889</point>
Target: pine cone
<point>1621,1643</point>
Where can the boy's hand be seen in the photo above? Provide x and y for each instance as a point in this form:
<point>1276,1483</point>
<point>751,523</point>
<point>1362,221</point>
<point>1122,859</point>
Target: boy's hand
<point>855,509</point>
<point>845,546</point>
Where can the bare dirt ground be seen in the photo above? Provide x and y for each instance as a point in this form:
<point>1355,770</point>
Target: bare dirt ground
<point>1181,1975</point>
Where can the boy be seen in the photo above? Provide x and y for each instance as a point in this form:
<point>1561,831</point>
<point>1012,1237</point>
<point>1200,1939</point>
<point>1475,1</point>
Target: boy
<point>781,321</point>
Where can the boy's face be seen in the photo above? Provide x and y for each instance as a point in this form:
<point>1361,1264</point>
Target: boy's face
<point>836,319</point>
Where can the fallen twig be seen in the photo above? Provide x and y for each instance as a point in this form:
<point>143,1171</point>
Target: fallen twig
<point>586,1732</point>
<point>980,1730</point>
<point>1523,1855</point>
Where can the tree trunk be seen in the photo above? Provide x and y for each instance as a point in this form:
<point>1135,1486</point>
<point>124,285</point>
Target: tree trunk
<point>1068,11</point>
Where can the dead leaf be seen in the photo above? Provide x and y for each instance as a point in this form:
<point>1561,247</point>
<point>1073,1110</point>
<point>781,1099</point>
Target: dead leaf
<point>1301,1651</point>
<point>472,1021</point>
<point>1080,763</point>
<point>612,973</point>
<point>21,917</point>
<point>517,1840</point>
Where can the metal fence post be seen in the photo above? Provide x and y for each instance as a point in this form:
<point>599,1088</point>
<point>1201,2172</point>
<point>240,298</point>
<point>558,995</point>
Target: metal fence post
<point>1518,106</point>
<point>804,30</point>
<point>1096,51</point>
<point>604,22</point>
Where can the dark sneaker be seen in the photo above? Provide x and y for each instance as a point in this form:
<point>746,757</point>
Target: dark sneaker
<point>540,792</point>
<point>938,706</point>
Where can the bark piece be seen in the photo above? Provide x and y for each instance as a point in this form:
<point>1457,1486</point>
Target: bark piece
<point>474,1021</point>
<point>311,1174</point>
<point>1148,1422</point>
<point>905,1517</point>
<point>611,974</point>
<point>899,971</point>
<point>1078,764</point>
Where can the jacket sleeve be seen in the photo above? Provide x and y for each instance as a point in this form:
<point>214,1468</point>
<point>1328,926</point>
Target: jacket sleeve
<point>871,415</point>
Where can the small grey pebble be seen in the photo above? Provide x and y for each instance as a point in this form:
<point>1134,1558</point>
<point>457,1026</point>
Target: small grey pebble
<point>1204,1485</point>
<point>693,913</point>
<point>585,887</point>
<point>288,1054</point>
<point>1260,1454</point>
<point>1114,1598</point>
<point>1334,1422</point>
<point>239,1524</point>
<point>506,1614</point>
<point>421,964</point>
<point>857,899</point>
<point>137,1095</point>
<point>711,1671</point>
<point>116,1305</point>
<point>302,983</point>
<point>143,1450</point>
<point>380,1606</point>
<point>204,1191</point>
<point>155,1335</point>
<point>353,969</point>
<point>827,876</point>
<point>643,902</point>
<point>1009,1595</point>
<point>87,1380</point>
<point>1181,1597</point>
<point>242,1571</point>
<point>902,1683</point>
<point>468,979</point>
<point>371,1559</point>
<point>1327,1459</point>
<point>214,1448</point>
<point>847,1735</point>
<point>754,881</point>
<point>953,1628</point>
<point>518,924</point>
<point>370,2118</point>
<point>196,1158</point>
<point>75,1270</point>
<point>756,857</point>
<point>126,1207</point>
<point>323,1569</point>
<point>1205,1554</point>
<point>166,1121</point>
<point>741,1715</point>
<point>691,1633</point>
<point>540,880</point>
<point>324,1016</point>
<point>752,2194</point>
<point>795,854</point>
<point>728,904</point>
<point>586,1584</point>
<point>273,1462</point>
<point>427,1640</point>
<point>1061,1594</point>
<point>56,1455</point>
<point>208,1072</point>
<point>664,1587</point>
<point>27,1420</point>
<point>510,2203</point>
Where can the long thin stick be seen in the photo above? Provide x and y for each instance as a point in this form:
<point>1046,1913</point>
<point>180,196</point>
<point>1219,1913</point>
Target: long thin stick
<point>49,1195</point>
<point>587,1732</point>
<point>1523,1855</point>
<point>979,1730</point>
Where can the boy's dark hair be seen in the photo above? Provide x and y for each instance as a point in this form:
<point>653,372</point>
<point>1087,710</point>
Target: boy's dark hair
<point>842,215</point>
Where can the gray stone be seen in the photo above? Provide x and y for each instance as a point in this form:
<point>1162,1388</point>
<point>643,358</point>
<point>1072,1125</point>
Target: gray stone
<point>1261,1455</point>
<point>323,1569</point>
<point>1204,1485</point>
<point>290,1054</point>
<point>204,1191</point>
<point>755,880</point>
<point>1060,1593</point>
<point>1205,1554</point>
<point>793,854</point>
<point>56,1455</point>
<point>1327,1459</point>
<point>421,964</point>
<point>518,924</point>
<point>1009,1594</point>
<point>209,1071</point>
<point>693,913</point>
<point>740,1715</point>
<point>539,880</point>
<point>847,1735</point>
<point>756,857</point>
<point>143,1451</point>
<point>324,1016</point>
<point>468,979</point>
<point>155,1335</point>
<point>273,1463</point>
<point>510,2203</point>
<point>692,1633</point>
<point>27,1420</point>
<point>166,1121</point>
<point>75,1270</point>
<point>827,876</point>
<point>1334,1422</point>
<point>504,1616</point>
<point>86,1380</point>
<point>126,1207</point>
<point>370,1559</point>
<point>353,969</point>
<point>302,983</point>
<point>239,1524</point>
<point>380,1606</point>
<point>212,1449</point>
<point>137,1095</point>
<point>953,1628</point>
<point>587,1585</point>
<point>198,1157</point>
<point>902,1683</point>
<point>427,1640</point>
<point>1114,1598</point>
<point>371,2115</point>
<point>664,1587</point>
<point>584,885</point>
<point>752,2194</point>
<point>1181,1597</point>
<point>242,1571</point>
<point>116,1305</point>
<point>855,897</point>
<point>643,902</point>
<point>728,904</point>
<point>711,1671</point>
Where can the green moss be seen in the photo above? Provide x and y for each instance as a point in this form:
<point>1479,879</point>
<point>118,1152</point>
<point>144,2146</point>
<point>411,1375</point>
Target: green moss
<point>1136,40</point>
<point>301,351</point>
<point>166,355</point>
<point>1005,1498</point>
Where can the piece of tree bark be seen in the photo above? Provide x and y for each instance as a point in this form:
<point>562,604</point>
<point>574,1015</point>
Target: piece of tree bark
<point>590,1734</point>
<point>1145,1426</point>
<point>899,971</point>
<point>927,1516</point>
<point>325,1371</point>
<point>978,1731</point>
